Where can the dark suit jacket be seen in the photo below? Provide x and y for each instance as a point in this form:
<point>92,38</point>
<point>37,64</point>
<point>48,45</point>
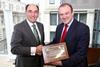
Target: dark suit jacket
<point>98,63</point>
<point>77,41</point>
<point>22,39</point>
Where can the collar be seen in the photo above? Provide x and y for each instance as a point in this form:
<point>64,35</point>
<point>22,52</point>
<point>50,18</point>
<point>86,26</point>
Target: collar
<point>70,23</point>
<point>30,23</point>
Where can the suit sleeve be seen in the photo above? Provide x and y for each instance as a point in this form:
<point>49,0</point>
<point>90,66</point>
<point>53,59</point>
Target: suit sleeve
<point>81,43</point>
<point>16,43</point>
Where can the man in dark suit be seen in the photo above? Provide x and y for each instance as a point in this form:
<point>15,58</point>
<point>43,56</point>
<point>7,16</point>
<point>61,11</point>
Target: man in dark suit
<point>25,43</point>
<point>77,38</point>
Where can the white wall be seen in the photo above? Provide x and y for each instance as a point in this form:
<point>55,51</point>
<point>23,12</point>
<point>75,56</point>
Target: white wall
<point>90,23</point>
<point>30,1</point>
<point>8,20</point>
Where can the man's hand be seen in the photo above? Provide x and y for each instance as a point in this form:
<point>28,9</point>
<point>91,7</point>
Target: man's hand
<point>39,49</point>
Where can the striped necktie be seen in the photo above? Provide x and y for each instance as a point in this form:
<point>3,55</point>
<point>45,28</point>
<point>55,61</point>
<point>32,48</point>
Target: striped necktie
<point>36,33</point>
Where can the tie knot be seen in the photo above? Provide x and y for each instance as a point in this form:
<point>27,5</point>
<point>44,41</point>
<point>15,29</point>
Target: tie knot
<point>33,25</point>
<point>66,25</point>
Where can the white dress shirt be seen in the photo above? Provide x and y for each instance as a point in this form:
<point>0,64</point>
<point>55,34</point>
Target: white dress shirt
<point>33,49</point>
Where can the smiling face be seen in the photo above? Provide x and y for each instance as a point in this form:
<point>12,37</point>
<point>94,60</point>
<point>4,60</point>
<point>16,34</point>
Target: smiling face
<point>32,12</point>
<point>65,13</point>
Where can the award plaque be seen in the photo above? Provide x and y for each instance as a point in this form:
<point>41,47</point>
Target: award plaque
<point>55,52</point>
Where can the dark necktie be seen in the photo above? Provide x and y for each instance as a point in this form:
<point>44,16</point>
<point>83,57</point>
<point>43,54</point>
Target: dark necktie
<point>36,33</point>
<point>64,33</point>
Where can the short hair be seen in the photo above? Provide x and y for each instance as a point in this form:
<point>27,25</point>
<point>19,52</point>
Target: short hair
<point>64,4</point>
<point>31,4</point>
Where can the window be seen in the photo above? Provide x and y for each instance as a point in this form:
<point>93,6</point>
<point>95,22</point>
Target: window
<point>52,34</point>
<point>2,19</point>
<point>10,6</point>
<point>3,45</point>
<point>54,19</point>
<point>96,30</point>
<point>51,1</point>
<point>18,17</point>
<point>17,0</point>
<point>76,16</point>
<point>82,17</point>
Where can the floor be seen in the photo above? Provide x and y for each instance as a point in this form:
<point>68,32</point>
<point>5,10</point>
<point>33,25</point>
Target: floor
<point>5,62</point>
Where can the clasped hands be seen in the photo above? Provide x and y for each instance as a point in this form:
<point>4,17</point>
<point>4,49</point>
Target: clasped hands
<point>39,50</point>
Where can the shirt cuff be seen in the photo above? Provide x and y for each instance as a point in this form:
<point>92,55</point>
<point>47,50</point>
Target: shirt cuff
<point>33,51</point>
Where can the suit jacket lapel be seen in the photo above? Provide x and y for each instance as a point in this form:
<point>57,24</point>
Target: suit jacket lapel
<point>28,31</point>
<point>72,30</point>
<point>59,31</point>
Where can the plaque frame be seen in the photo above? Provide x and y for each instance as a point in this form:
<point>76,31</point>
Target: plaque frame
<point>55,52</point>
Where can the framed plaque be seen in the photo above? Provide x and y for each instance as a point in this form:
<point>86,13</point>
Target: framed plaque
<point>55,52</point>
